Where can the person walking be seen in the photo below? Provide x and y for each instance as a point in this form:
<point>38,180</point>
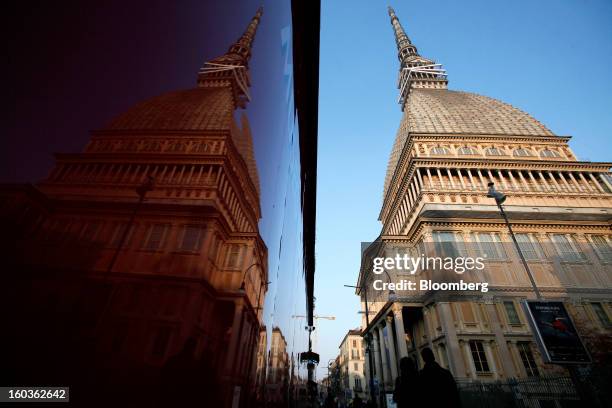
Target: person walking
<point>437,385</point>
<point>406,391</point>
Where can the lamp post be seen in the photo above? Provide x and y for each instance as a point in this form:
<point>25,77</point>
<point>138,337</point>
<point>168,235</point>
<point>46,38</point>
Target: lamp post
<point>368,336</point>
<point>242,290</point>
<point>499,200</point>
<point>329,378</point>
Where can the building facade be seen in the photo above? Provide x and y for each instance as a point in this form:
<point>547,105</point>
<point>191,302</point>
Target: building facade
<point>277,382</point>
<point>449,146</point>
<point>351,366</point>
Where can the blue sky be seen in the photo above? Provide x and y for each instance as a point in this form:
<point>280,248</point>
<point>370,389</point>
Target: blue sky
<point>550,58</point>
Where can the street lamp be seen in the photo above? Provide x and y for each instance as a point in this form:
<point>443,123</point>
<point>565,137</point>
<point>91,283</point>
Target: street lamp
<point>242,290</point>
<point>368,339</point>
<point>499,200</point>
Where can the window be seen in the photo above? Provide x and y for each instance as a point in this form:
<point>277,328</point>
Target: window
<point>191,240</point>
<point>118,233</point>
<point>440,150</point>
<point>156,236</point>
<point>448,244</point>
<point>357,383</point>
<point>513,317</point>
<point>214,246</point>
<point>529,248</point>
<point>527,358</point>
<point>356,366</point>
<point>478,355</point>
<point>491,246</point>
<point>494,151</point>
<point>602,247</point>
<point>599,310</point>
<point>90,231</point>
<point>549,153</point>
<point>521,152</point>
<point>566,249</point>
<point>233,256</point>
<point>467,151</point>
<point>467,312</point>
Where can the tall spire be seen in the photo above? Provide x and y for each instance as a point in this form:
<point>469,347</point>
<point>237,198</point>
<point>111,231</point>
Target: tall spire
<point>415,71</point>
<point>405,49</point>
<point>242,47</point>
<point>231,68</point>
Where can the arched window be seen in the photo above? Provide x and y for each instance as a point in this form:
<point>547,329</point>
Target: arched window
<point>521,152</point>
<point>467,150</point>
<point>440,150</point>
<point>494,151</point>
<point>549,153</point>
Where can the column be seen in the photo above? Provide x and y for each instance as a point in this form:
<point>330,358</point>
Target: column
<point>504,353</point>
<point>235,337</point>
<point>414,189</point>
<point>502,179</point>
<point>429,181</point>
<point>461,178</point>
<point>383,357</point>
<point>419,178</point>
<point>536,185</point>
<point>392,355</point>
<point>544,181</point>
<point>402,349</point>
<point>578,186</point>
<point>440,178</point>
<point>473,184</point>
<point>586,183</point>
<point>554,180</point>
<point>454,353</point>
<point>605,181</point>
<point>450,178</point>
<point>490,359</point>
<point>427,327</point>
<point>377,357</point>
<point>482,180</point>
<point>513,180</point>
<point>491,178</point>
<point>569,188</point>
<point>524,182</point>
<point>599,187</point>
<point>467,353</point>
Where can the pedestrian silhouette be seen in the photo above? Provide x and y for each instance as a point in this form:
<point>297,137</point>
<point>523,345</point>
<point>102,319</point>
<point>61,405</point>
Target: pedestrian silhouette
<point>330,402</point>
<point>437,384</point>
<point>406,391</point>
<point>357,403</point>
<point>187,380</point>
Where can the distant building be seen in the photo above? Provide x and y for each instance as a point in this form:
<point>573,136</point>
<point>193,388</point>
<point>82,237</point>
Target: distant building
<point>261,363</point>
<point>449,145</point>
<point>351,366</point>
<point>277,381</point>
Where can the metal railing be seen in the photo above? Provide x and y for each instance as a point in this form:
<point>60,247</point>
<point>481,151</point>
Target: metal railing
<point>534,392</point>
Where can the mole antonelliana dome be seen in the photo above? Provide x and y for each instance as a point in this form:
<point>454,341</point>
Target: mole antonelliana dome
<point>446,112</point>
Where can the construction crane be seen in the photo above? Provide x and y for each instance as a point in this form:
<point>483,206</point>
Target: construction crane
<point>314,317</point>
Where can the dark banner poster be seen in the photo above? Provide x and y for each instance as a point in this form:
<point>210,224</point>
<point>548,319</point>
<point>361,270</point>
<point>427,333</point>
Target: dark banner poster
<point>556,333</point>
